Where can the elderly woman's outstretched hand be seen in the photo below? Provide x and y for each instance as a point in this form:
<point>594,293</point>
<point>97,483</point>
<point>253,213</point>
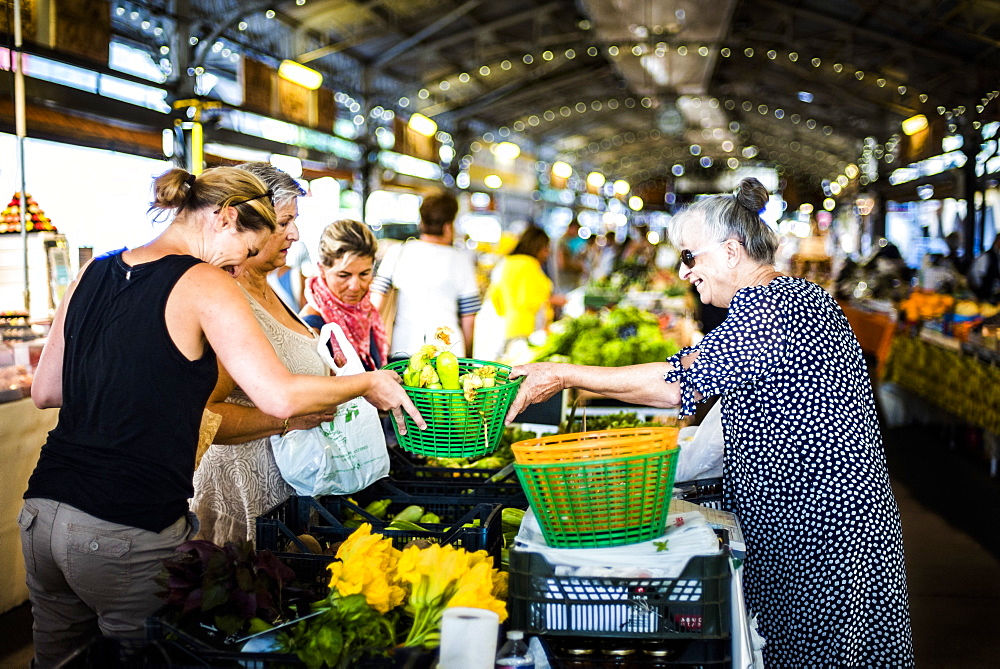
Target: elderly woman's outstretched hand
<point>541,381</point>
<point>387,394</point>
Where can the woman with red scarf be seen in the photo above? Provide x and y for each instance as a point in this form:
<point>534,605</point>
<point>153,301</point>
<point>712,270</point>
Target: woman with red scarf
<point>339,293</point>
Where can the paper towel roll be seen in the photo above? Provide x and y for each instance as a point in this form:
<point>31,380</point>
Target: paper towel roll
<point>468,638</point>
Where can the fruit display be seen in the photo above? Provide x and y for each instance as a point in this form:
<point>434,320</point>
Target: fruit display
<point>948,379</point>
<point>614,338</point>
<point>14,326</point>
<point>35,218</point>
<point>922,305</point>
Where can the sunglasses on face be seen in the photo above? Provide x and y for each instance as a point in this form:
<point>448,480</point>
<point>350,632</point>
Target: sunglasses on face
<point>687,256</point>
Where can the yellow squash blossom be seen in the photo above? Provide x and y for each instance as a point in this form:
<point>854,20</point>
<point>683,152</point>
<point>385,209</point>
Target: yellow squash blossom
<point>368,566</point>
<point>441,576</point>
<point>478,589</point>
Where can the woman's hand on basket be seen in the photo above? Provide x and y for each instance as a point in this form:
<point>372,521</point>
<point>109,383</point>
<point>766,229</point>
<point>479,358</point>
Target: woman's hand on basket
<point>387,394</point>
<point>541,381</point>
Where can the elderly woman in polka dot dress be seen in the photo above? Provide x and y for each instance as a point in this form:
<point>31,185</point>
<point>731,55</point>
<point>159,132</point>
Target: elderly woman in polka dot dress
<point>804,464</point>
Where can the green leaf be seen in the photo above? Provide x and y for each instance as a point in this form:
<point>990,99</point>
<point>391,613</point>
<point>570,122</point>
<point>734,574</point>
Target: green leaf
<point>214,595</point>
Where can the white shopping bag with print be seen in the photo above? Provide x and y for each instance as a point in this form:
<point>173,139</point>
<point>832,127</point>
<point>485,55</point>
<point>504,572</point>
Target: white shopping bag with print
<point>344,455</point>
<point>702,448</point>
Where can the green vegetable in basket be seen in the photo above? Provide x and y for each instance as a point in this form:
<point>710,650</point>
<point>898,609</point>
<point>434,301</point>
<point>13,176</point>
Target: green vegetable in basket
<point>379,508</point>
<point>258,625</point>
<point>349,513</point>
<point>481,377</point>
<point>447,370</point>
<point>489,462</point>
<point>412,514</point>
<point>404,526</point>
<point>429,518</point>
<point>511,519</point>
<point>418,361</point>
<point>429,377</point>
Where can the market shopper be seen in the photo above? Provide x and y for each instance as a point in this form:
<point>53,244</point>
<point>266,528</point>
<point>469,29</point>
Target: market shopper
<point>520,293</point>
<point>984,275</point>
<point>570,254</point>
<point>237,479</point>
<point>436,281</point>
<point>339,293</point>
<point>131,361</point>
<point>804,466</point>
<point>958,262</point>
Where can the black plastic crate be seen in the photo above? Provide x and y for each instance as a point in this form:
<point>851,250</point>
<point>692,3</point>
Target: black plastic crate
<point>323,518</point>
<point>589,653</point>
<point>694,605</point>
<point>408,467</point>
<point>169,646</point>
<point>706,492</point>
<point>175,653</point>
<point>506,492</point>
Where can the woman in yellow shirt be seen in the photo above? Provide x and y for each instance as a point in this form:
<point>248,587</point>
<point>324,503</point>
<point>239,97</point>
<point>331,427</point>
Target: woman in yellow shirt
<point>520,291</point>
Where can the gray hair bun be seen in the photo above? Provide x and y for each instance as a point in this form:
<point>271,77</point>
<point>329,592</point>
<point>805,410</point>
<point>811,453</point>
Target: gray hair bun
<point>751,194</point>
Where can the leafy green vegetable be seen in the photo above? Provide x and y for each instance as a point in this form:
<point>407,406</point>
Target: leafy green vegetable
<point>614,421</point>
<point>615,338</point>
<point>226,587</point>
<point>341,635</point>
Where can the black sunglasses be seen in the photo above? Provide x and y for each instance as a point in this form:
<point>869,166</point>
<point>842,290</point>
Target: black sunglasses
<point>687,256</point>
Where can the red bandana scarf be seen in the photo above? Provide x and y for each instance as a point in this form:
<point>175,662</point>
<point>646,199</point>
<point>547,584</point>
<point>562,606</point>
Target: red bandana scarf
<point>357,320</point>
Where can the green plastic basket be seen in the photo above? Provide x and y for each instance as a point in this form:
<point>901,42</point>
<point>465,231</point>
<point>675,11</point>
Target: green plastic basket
<point>598,503</point>
<point>457,428</point>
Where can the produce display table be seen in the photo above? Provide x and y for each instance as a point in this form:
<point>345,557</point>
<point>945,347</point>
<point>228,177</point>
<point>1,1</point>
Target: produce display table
<point>23,429</point>
<point>936,369</point>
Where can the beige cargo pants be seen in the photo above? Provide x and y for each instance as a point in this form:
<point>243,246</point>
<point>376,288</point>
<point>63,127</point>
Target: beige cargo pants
<point>87,576</point>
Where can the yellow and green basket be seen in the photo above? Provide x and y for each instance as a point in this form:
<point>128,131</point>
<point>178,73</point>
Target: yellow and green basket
<point>598,489</point>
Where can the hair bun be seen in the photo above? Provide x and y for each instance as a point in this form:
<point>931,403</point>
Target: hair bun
<point>752,194</point>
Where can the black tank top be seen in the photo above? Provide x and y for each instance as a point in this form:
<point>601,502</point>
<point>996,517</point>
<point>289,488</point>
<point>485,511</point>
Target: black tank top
<point>124,447</point>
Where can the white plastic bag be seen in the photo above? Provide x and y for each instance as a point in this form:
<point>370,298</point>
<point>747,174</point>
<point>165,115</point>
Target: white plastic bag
<point>344,455</point>
<point>701,453</point>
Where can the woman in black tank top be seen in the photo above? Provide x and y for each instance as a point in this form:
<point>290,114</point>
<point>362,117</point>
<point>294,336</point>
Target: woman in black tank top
<point>131,360</point>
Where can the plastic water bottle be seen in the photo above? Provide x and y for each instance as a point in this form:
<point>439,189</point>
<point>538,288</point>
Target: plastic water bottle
<point>515,653</point>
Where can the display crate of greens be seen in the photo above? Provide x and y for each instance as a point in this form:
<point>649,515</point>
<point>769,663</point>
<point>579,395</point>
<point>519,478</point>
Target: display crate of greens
<point>695,605</point>
<point>505,491</point>
<point>330,520</point>
<point>409,466</point>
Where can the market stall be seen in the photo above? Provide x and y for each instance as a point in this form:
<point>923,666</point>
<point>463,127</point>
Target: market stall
<point>23,429</point>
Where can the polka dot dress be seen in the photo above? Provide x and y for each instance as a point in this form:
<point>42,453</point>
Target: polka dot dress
<point>805,471</point>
